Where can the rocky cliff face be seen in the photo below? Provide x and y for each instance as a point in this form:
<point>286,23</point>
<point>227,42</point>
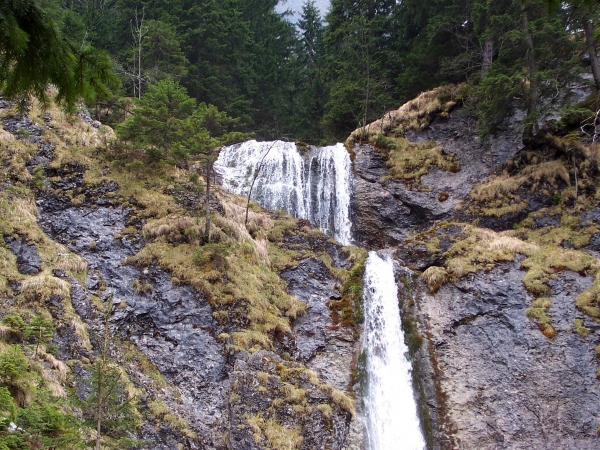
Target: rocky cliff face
<point>195,387</point>
<point>495,380</point>
<point>387,210</point>
<point>502,325</point>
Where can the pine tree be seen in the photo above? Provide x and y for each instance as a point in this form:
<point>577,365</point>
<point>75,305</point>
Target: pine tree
<point>357,45</point>
<point>40,331</point>
<point>108,408</point>
<point>310,96</point>
<point>33,54</point>
<point>158,118</point>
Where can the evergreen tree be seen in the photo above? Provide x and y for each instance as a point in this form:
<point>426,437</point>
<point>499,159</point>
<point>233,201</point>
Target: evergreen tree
<point>40,331</point>
<point>34,54</point>
<point>311,95</point>
<point>535,61</point>
<point>158,118</point>
<point>358,45</point>
<point>108,408</point>
<point>162,54</point>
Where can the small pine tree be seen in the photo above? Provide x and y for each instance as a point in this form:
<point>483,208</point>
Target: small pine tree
<point>108,408</point>
<point>39,331</point>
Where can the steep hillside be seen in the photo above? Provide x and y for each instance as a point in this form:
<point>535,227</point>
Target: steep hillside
<point>211,346</point>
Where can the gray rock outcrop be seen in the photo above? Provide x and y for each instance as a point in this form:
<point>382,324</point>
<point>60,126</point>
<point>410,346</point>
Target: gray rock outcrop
<point>503,384</point>
<point>28,258</point>
<point>387,210</point>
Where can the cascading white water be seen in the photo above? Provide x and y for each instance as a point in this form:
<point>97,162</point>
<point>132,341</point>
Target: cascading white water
<point>315,185</point>
<point>390,409</point>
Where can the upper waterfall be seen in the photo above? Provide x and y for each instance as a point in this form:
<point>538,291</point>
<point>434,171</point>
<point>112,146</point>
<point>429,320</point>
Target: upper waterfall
<point>314,184</point>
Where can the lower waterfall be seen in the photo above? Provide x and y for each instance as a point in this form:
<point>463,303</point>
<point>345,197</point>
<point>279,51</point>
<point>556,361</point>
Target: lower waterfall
<point>390,409</point>
<point>313,184</point>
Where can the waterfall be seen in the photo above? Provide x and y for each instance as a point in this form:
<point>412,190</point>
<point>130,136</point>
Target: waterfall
<point>390,409</point>
<point>314,184</point>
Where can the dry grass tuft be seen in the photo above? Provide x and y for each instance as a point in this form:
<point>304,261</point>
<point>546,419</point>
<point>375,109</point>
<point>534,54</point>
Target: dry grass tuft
<point>538,311</point>
<point>41,287</point>
<point>581,329</point>
<point>412,160</point>
<point>341,399</point>
<point>325,410</point>
<point>546,262</point>
<point>498,195</point>
<point>434,277</point>
<point>82,331</point>
<point>482,249</point>
<point>415,114</point>
<point>60,367</point>
<point>588,301</point>
<point>7,334</point>
<point>277,436</point>
<point>293,394</point>
<point>171,225</point>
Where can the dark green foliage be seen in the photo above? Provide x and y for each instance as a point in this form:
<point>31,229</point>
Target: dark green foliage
<point>161,52</point>
<point>13,368</point>
<point>33,54</point>
<point>40,418</point>
<point>15,322</point>
<point>39,331</point>
<point>159,117</point>
<point>108,408</point>
<point>308,105</point>
<point>314,82</point>
<point>43,424</point>
<point>109,401</point>
<point>358,45</point>
<point>166,122</point>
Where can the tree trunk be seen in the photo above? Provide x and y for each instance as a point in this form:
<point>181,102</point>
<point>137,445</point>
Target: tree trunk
<point>590,42</point>
<point>533,83</point>
<point>99,412</point>
<point>488,55</point>
<point>208,173</point>
<point>138,33</point>
<point>256,173</point>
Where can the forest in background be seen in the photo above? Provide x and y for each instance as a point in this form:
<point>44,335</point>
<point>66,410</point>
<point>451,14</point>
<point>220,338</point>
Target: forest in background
<point>321,78</point>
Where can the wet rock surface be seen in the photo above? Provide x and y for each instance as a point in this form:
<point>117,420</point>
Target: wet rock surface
<point>326,348</point>
<point>86,117</point>
<point>501,383</point>
<point>28,258</point>
<point>329,350</point>
<point>311,283</point>
<point>417,256</point>
<point>594,246</point>
<point>385,211</point>
<point>23,128</point>
<point>172,325</point>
